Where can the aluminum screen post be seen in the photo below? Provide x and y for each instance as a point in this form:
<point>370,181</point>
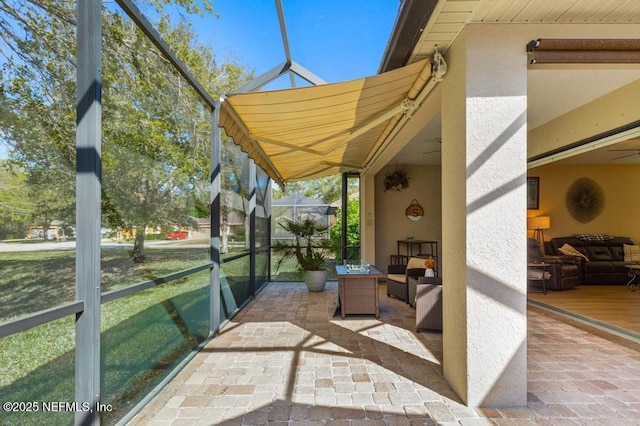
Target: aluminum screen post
<point>88,175</point>
<point>216,156</point>
<point>343,231</point>
<point>252,227</point>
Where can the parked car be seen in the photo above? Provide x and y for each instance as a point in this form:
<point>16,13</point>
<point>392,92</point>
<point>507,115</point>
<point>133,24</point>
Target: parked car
<point>177,235</point>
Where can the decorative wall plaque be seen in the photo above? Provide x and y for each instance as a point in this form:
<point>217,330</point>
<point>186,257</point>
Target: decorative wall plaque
<point>415,211</point>
<point>584,200</point>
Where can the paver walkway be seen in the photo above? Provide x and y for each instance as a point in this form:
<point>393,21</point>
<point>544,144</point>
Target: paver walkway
<point>286,359</point>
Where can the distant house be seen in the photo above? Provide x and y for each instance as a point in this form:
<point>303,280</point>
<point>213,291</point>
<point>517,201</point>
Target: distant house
<point>202,228</point>
<point>55,231</point>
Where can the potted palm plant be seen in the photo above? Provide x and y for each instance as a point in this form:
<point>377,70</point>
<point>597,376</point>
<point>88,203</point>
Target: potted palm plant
<point>309,247</point>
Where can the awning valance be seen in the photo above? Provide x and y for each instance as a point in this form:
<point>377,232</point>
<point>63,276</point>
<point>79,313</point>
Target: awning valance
<point>309,132</point>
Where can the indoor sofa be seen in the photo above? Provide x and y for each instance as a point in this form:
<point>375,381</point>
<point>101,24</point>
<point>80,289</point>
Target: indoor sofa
<point>602,257</point>
<point>563,271</point>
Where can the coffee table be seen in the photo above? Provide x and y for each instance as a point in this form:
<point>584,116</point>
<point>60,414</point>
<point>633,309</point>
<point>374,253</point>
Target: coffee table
<point>358,290</point>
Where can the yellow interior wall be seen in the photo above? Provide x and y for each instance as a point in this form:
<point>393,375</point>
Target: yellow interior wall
<point>622,199</point>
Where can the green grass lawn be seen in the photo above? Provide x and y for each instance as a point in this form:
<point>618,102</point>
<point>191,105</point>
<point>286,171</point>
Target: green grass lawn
<point>143,335</point>
<point>35,280</point>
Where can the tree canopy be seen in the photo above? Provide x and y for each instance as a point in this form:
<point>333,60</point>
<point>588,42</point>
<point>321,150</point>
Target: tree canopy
<point>156,131</point>
<point>14,203</point>
<point>327,189</point>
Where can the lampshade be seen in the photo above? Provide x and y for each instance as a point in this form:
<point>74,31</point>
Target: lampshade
<point>539,222</point>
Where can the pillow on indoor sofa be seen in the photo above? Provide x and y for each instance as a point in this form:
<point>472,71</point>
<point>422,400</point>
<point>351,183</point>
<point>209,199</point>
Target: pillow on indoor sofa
<point>569,250</point>
<point>631,253</point>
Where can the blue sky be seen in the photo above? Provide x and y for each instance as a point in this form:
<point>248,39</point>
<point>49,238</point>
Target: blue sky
<point>337,40</point>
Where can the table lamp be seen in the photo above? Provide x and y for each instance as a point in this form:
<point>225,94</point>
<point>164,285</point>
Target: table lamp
<point>538,224</point>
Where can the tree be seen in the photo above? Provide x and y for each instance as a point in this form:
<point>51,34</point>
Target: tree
<point>156,131</point>
<point>353,226</point>
<point>37,97</point>
<point>327,189</point>
<point>15,209</point>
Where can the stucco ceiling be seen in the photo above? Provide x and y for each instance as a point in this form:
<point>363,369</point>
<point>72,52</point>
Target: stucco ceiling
<point>450,16</point>
<point>551,92</point>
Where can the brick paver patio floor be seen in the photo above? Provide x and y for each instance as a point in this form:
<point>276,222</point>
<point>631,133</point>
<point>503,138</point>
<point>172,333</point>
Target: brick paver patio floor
<point>286,359</point>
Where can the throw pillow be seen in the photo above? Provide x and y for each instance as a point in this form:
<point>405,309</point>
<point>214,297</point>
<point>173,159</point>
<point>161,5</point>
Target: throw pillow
<point>569,250</point>
<point>593,237</point>
<point>631,253</point>
<point>415,262</point>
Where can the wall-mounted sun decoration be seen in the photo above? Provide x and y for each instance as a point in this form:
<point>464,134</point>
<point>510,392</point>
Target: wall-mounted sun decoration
<point>584,200</point>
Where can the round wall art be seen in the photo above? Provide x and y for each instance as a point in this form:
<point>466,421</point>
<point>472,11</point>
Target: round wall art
<point>584,200</point>
<point>415,211</point>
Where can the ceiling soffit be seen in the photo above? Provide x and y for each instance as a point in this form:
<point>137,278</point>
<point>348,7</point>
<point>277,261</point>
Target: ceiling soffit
<point>450,16</point>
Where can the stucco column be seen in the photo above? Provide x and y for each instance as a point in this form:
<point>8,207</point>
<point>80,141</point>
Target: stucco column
<point>484,111</point>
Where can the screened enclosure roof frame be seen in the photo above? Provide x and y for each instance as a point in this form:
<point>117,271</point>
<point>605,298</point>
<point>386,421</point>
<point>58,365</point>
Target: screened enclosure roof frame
<point>309,132</point>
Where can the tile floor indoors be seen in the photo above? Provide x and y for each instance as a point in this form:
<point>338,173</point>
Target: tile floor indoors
<point>286,359</point>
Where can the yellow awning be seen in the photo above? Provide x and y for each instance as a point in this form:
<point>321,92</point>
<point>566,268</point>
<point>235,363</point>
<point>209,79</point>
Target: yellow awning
<point>309,132</point>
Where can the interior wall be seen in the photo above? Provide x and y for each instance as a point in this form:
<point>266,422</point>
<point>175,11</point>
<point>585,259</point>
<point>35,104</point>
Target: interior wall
<point>621,208</point>
<point>390,211</point>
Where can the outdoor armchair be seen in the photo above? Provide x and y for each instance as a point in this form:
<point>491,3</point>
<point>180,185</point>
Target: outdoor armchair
<point>397,277</point>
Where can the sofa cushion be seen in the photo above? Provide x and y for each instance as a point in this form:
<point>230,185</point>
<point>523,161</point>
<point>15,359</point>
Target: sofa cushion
<point>595,252</point>
<point>569,250</point>
<point>617,252</point>
<point>401,278</point>
<point>631,253</point>
<point>600,267</point>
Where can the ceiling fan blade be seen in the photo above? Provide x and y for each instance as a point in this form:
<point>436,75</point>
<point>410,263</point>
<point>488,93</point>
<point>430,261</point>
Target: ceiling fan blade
<point>625,156</point>
<point>431,152</point>
<point>629,149</point>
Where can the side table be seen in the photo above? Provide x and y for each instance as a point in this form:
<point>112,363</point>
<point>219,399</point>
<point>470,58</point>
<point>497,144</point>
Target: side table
<point>634,270</point>
<point>543,267</point>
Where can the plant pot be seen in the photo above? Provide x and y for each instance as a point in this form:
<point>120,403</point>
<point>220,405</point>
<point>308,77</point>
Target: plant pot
<point>315,280</point>
<point>429,272</point>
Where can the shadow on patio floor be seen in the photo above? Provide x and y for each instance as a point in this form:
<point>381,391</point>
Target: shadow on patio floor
<point>288,359</point>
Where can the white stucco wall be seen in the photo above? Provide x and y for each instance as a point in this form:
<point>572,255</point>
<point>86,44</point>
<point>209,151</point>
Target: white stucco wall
<point>484,102</point>
<point>484,173</point>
